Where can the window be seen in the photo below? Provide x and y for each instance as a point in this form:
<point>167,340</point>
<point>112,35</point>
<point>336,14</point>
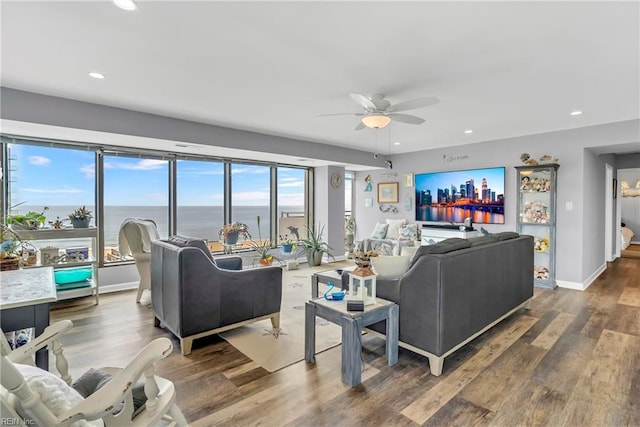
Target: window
<point>348,193</point>
<point>200,200</point>
<point>63,176</point>
<point>291,209</point>
<point>251,197</point>
<point>59,178</point>
<point>133,187</point>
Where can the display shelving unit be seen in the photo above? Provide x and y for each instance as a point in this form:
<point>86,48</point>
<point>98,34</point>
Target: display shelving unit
<point>67,238</point>
<point>537,188</point>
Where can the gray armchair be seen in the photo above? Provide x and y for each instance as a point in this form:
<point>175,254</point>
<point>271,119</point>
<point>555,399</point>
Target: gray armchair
<point>194,295</point>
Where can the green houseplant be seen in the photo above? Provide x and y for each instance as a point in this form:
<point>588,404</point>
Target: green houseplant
<point>29,221</point>
<point>81,217</point>
<point>231,232</point>
<point>263,248</point>
<point>315,247</point>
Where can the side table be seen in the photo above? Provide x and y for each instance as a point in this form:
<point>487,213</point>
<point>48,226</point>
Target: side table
<point>25,296</point>
<point>352,323</point>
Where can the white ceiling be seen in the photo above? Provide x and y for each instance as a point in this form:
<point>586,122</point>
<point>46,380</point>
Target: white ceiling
<point>503,69</point>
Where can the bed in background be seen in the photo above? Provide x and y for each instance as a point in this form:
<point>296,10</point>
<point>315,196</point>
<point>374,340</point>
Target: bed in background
<point>626,235</point>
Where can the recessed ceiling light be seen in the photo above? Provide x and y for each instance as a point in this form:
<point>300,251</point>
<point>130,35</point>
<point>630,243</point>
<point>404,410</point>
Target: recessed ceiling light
<point>96,75</point>
<point>125,4</point>
<point>396,143</point>
<point>468,131</point>
<point>576,113</point>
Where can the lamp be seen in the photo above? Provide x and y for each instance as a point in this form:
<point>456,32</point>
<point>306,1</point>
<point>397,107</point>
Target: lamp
<point>376,121</point>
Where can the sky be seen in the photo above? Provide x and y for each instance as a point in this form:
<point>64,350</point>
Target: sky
<point>53,176</point>
<point>433,181</point>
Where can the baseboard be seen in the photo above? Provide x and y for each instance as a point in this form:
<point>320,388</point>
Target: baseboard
<point>577,286</point>
<point>118,287</point>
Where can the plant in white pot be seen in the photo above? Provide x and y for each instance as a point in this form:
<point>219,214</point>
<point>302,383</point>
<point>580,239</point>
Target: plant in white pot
<point>314,246</point>
<point>81,217</point>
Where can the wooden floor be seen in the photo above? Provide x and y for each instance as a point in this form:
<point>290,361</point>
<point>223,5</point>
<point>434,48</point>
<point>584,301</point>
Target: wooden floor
<point>572,360</point>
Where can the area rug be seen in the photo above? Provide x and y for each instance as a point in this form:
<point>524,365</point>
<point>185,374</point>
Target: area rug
<point>275,349</point>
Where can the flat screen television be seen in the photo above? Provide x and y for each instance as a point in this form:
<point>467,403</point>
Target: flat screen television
<point>453,196</point>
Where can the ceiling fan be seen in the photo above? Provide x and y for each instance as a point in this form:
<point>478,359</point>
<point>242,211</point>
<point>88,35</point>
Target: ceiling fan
<point>378,112</point>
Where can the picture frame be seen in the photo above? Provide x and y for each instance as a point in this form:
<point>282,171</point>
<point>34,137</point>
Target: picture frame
<point>388,192</point>
<point>407,180</point>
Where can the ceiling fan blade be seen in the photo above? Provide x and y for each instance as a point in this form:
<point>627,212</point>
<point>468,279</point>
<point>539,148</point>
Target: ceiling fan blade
<point>414,103</point>
<point>406,118</point>
<point>360,126</point>
<point>337,114</point>
<point>362,100</point>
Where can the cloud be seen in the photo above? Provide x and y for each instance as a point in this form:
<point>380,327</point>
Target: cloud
<point>291,178</point>
<point>89,170</point>
<point>253,170</point>
<point>64,190</point>
<point>144,164</point>
<point>292,184</point>
<point>157,196</point>
<point>39,160</point>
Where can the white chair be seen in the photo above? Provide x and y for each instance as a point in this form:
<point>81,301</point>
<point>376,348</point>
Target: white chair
<point>135,239</point>
<point>32,396</point>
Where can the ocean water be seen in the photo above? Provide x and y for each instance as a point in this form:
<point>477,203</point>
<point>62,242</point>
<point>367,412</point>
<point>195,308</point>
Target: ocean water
<point>196,221</point>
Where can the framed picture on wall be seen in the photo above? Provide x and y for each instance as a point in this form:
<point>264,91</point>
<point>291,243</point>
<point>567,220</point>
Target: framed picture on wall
<point>388,192</point>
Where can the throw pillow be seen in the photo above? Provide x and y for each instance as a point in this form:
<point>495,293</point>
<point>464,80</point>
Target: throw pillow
<point>382,247</point>
<point>380,231</point>
<point>390,266</point>
<point>54,393</point>
<point>94,379</point>
<point>409,231</point>
<point>408,250</point>
<point>191,242</point>
<point>393,232</point>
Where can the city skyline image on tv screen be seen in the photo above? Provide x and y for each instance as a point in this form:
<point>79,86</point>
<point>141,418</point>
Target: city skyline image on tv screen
<point>453,196</point>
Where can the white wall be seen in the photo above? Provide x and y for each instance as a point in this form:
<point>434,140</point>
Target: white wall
<point>329,208</point>
<point>577,250</point>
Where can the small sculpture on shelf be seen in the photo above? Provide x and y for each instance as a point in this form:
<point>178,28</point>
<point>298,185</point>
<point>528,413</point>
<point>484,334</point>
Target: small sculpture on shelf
<point>527,160</point>
<point>363,262</point>
<point>547,159</point>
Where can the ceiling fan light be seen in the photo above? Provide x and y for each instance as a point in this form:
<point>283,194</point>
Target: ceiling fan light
<point>376,121</point>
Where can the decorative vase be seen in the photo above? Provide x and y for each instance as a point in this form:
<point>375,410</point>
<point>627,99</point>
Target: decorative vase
<point>287,248</point>
<point>266,261</point>
<point>80,223</point>
<point>314,258</point>
<point>231,238</point>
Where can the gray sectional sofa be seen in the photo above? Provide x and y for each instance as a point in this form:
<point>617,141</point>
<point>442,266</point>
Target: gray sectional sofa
<point>457,289</point>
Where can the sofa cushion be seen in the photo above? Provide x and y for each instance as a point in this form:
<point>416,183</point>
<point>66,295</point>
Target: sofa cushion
<point>482,240</point>
<point>390,266</point>
<point>380,231</point>
<point>393,232</point>
<point>505,235</point>
<point>190,242</point>
<point>443,247</point>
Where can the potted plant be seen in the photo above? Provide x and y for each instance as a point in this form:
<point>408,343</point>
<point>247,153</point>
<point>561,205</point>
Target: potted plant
<point>29,221</point>
<point>263,248</point>
<point>80,217</point>
<point>231,232</point>
<point>315,247</point>
<point>10,249</point>
<point>286,244</point>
